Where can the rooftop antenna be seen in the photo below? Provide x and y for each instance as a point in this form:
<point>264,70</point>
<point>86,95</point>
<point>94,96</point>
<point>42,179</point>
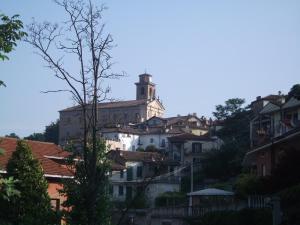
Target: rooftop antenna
<point>145,70</point>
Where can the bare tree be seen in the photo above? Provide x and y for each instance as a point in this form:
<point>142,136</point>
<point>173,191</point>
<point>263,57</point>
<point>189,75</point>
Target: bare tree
<point>81,39</point>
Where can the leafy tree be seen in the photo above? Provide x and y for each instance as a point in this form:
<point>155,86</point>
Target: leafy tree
<point>231,107</point>
<point>33,206</point>
<point>226,162</point>
<point>36,137</point>
<point>78,191</point>
<point>10,32</point>
<point>52,132</point>
<point>49,135</point>
<point>294,92</point>
<point>12,135</point>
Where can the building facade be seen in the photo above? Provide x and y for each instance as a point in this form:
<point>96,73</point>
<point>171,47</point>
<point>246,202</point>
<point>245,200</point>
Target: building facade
<point>274,130</point>
<point>145,106</point>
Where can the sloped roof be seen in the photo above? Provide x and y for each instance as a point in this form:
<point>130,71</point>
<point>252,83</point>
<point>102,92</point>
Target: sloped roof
<point>131,156</point>
<point>211,192</point>
<point>43,151</point>
<point>106,105</point>
<point>190,137</point>
<point>269,108</point>
<point>293,102</point>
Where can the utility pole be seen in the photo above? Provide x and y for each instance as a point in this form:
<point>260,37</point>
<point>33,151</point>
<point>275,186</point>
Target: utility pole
<point>190,211</point>
<point>192,176</point>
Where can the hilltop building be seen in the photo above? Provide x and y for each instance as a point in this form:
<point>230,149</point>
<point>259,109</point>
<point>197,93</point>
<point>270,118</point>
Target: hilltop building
<point>145,106</point>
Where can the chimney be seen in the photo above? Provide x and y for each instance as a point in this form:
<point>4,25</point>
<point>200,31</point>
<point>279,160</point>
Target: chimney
<point>194,114</point>
<point>258,98</point>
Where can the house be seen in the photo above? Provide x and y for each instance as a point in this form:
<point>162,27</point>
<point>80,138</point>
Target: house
<point>145,106</point>
<point>275,129</point>
<point>154,132</point>
<point>52,159</point>
<point>188,148</point>
<point>139,172</point>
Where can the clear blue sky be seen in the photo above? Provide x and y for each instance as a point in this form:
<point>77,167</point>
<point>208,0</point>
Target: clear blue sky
<point>200,53</point>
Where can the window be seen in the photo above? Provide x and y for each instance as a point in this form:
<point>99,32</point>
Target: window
<point>133,148</point>
<point>263,170</point>
<point>137,116</point>
<point>197,147</point>
<point>163,143</point>
<point>124,146</point>
<point>129,174</point>
<point>128,192</point>
<point>111,189</point>
<point>142,91</point>
<point>121,191</point>
<point>121,174</point>
<point>139,172</point>
<point>151,140</point>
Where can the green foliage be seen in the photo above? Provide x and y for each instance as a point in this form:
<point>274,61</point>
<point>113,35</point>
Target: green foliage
<point>185,185</point>
<point>286,173</point>
<point>243,217</point>
<point>89,188</point>
<point>170,199</point>
<point>249,184</point>
<point>51,134</point>
<point>33,205</point>
<point>12,135</point>
<point>294,92</point>
<point>36,137</point>
<point>138,202</point>
<point>140,149</point>
<point>226,162</point>
<point>231,107</point>
<point>11,31</point>
<point>151,148</point>
<point>290,203</point>
<point>7,189</point>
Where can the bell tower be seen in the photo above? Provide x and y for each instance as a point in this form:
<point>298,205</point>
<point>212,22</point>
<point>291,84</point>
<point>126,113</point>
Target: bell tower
<point>145,89</point>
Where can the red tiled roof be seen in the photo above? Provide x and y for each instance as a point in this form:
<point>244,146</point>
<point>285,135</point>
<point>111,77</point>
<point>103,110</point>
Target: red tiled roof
<point>43,151</point>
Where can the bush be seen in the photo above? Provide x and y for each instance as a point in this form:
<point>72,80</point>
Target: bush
<point>290,204</point>
<point>243,217</point>
<point>151,148</point>
<point>249,184</point>
<point>170,199</point>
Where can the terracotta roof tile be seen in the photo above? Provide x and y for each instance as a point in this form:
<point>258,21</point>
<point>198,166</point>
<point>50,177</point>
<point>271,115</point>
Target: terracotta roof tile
<point>40,151</point>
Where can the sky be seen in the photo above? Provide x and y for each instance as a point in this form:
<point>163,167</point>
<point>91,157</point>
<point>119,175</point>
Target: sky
<point>200,53</point>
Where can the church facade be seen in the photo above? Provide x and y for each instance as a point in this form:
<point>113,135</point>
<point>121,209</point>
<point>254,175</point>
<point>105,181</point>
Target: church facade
<point>145,106</point>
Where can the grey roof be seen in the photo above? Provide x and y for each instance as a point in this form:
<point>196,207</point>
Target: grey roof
<point>211,192</point>
<point>293,102</point>
<point>269,108</point>
<point>117,104</point>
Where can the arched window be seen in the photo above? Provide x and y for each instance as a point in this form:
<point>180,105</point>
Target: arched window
<point>142,91</point>
<point>150,93</point>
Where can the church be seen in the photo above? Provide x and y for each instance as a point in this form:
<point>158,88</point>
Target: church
<point>145,106</point>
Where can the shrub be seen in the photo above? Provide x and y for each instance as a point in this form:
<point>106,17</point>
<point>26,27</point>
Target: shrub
<point>170,199</point>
